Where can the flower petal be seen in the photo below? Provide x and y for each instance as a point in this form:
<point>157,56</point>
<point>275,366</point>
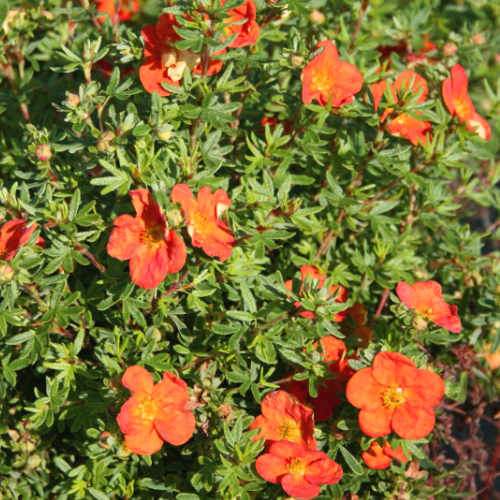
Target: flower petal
<point>298,487</point>
<point>271,467</point>
<point>412,422</point>
<point>175,426</point>
<point>137,379</point>
<point>376,422</point>
<point>363,391</point>
<point>394,369</point>
<point>144,443</point>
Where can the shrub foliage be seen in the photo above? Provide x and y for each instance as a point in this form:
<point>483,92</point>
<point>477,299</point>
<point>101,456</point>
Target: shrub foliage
<point>264,153</point>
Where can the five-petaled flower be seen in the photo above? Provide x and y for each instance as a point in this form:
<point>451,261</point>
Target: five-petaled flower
<point>328,79</point>
<point>337,292</point>
<point>155,413</point>
<point>285,418</point>
<point>300,471</point>
<point>145,240</point>
<point>380,457</point>
<point>404,125</point>
<point>393,395</point>
<point>13,235</point>
<point>163,63</point>
<point>426,298</point>
<point>241,21</point>
<point>202,215</point>
<point>457,100</point>
<point>117,10</point>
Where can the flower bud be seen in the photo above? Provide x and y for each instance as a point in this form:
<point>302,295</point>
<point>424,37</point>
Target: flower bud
<point>420,323</point>
<point>104,142</point>
<point>6,273</point>
<point>43,152</point>
<point>317,17</point>
<point>449,49</point>
<point>72,100</point>
<point>164,132</point>
<point>478,39</point>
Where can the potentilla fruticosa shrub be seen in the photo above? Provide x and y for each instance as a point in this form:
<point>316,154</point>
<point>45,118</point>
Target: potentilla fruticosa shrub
<point>240,245</point>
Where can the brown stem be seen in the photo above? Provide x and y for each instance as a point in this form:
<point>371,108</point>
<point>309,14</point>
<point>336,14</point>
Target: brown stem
<point>90,256</point>
<point>381,304</point>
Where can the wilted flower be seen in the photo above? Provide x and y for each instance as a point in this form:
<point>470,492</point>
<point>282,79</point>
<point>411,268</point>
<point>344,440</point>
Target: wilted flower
<point>393,395</point>
<point>155,412</point>
<point>145,240</point>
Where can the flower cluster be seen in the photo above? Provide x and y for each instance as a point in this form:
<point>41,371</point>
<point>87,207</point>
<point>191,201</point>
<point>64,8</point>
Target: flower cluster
<point>153,249</point>
<point>291,458</point>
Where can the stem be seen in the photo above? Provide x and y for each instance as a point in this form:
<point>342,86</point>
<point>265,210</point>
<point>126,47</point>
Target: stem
<point>381,304</point>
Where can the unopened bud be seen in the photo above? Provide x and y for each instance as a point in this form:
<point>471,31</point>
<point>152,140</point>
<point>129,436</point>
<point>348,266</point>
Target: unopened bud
<point>104,142</point>
<point>72,100</point>
<point>449,49</point>
<point>6,273</point>
<point>13,17</point>
<point>164,132</point>
<point>317,17</point>
<point>43,152</point>
<point>420,323</point>
<point>478,39</point>
<point>174,217</point>
<point>297,61</point>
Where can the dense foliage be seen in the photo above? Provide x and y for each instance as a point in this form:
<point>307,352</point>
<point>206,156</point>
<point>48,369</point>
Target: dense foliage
<point>255,202</point>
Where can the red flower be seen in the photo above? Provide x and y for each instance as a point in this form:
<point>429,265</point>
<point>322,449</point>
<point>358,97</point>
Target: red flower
<point>163,63</point>
<point>329,80</point>
<point>153,250</point>
<point>155,413</point>
<point>300,471</point>
<point>393,395</point>
<point>457,100</point>
<point>13,235</point>
<point>404,125</point>
<point>338,292</point>
<point>285,418</point>
<point>378,457</point>
<point>241,22</point>
<point>426,298</point>
<point>202,215</point>
<point>126,9</point>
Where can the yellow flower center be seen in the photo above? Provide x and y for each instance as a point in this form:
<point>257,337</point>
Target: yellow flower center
<point>393,397</point>
<point>322,80</point>
<point>297,467</point>
<point>146,410</point>
<point>462,108</point>
<point>154,234</point>
<point>176,61</point>
<point>289,430</point>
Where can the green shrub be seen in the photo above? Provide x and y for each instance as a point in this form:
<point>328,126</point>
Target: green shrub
<point>332,184</point>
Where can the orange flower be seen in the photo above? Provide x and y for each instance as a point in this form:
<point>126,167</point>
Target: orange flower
<point>404,125</point>
<point>117,10</point>
<point>329,80</point>
<point>155,413</point>
<point>300,471</point>
<point>13,235</point>
<point>163,63</point>
<point>457,100</point>
<point>378,457</point>
<point>153,250</point>
<point>338,292</point>
<point>285,418</point>
<point>393,395</point>
<point>202,215</point>
<point>241,22</point>
<point>426,298</point>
